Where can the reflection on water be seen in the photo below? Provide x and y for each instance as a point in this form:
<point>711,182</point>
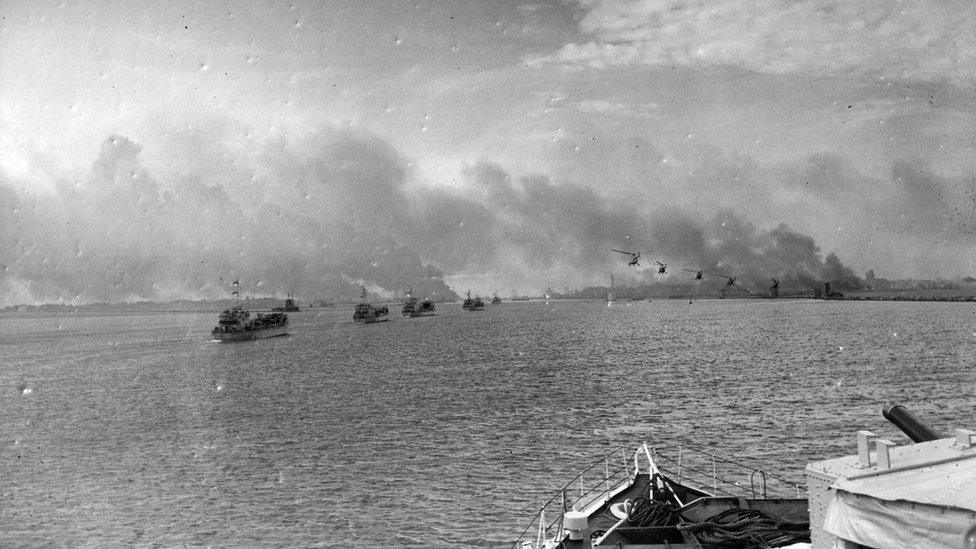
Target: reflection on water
<point>440,431</point>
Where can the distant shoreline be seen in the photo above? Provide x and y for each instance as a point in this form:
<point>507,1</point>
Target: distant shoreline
<point>912,295</point>
<point>960,295</point>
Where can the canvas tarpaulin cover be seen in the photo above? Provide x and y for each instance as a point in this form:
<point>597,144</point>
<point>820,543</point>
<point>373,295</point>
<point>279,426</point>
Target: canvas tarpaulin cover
<point>932,506</point>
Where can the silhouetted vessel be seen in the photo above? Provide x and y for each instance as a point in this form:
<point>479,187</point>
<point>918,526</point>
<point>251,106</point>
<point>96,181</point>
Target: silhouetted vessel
<point>409,304</point>
<point>414,308</point>
<point>495,300</point>
<point>365,313</point>
<point>289,306</point>
<point>424,308</point>
<point>237,324</point>
<point>475,304</point>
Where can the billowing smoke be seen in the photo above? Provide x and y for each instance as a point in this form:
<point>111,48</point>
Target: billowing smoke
<point>320,215</point>
<point>319,231</point>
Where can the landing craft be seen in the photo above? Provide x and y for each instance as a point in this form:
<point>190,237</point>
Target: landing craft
<point>635,256</point>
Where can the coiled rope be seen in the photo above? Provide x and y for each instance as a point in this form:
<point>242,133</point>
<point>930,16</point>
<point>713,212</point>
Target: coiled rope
<point>645,512</point>
<point>748,529</point>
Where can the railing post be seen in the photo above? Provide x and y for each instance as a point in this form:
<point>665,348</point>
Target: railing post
<point>540,535</point>
<point>752,482</point>
<point>606,472</point>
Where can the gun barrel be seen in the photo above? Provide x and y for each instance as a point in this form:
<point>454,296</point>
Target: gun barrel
<point>909,424</point>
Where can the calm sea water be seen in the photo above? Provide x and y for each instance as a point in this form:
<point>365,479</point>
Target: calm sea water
<point>445,431</point>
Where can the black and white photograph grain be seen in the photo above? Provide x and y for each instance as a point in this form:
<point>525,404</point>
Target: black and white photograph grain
<point>507,274</point>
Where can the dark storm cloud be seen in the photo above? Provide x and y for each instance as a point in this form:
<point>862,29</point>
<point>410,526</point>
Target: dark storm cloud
<point>319,215</point>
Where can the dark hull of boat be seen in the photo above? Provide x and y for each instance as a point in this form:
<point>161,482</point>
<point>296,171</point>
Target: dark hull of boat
<point>367,314</point>
<point>371,320</point>
<point>247,335</point>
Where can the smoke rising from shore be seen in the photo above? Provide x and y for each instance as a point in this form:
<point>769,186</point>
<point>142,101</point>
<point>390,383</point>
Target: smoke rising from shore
<point>320,215</point>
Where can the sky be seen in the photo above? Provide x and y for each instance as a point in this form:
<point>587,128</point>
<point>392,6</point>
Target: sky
<point>160,150</point>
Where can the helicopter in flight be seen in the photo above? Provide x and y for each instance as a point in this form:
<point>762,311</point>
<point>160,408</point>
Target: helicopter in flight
<point>729,280</point>
<point>634,256</point>
<point>775,285</point>
<point>662,268</point>
<point>698,272</point>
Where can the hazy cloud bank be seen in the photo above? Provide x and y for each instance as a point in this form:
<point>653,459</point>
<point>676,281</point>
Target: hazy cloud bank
<point>320,214</point>
<point>921,40</point>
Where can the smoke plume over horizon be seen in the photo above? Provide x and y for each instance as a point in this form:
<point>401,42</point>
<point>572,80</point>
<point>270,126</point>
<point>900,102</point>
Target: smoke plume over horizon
<point>319,216</point>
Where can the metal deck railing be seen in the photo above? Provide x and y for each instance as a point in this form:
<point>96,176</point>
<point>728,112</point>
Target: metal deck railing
<point>594,486</point>
<point>702,469</point>
<point>616,471</point>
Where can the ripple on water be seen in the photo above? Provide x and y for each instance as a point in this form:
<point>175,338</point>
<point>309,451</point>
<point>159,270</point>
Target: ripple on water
<point>446,431</point>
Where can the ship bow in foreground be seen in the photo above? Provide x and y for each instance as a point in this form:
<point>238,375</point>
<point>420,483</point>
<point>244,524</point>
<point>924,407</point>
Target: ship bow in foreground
<point>885,496</point>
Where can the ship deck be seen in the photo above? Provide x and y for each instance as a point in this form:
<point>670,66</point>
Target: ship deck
<point>693,530</point>
<point>656,508</point>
